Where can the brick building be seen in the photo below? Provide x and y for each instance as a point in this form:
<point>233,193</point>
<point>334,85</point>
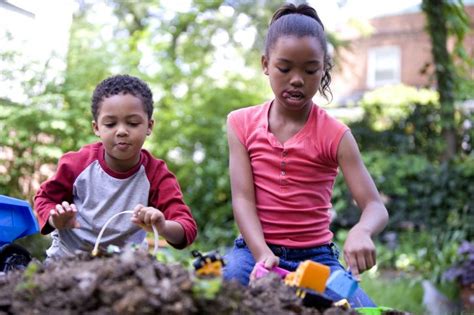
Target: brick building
<point>398,50</point>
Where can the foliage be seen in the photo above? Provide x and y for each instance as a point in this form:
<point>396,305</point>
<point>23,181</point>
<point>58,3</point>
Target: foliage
<point>421,252</point>
<point>416,192</point>
<point>399,292</point>
<point>463,269</point>
<point>445,18</point>
<point>408,120</point>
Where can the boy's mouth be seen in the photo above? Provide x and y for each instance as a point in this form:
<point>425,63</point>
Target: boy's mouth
<point>122,145</point>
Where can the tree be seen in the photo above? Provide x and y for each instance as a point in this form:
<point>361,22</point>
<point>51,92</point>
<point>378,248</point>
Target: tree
<point>445,18</point>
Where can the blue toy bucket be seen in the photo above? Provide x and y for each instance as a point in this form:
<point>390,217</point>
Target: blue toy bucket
<point>16,219</point>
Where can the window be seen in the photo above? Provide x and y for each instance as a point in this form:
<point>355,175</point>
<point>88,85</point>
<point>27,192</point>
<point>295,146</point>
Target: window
<point>383,66</point>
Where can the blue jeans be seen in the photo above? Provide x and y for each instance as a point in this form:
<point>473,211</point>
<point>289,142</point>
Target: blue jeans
<point>240,262</point>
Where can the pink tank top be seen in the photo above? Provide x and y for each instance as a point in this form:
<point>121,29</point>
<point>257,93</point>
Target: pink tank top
<point>293,181</point>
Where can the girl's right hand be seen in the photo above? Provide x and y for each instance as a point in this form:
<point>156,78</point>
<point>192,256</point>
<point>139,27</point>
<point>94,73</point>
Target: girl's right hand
<point>63,216</point>
<point>268,260</point>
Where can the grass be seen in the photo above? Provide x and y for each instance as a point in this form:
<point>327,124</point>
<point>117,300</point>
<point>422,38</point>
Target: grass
<point>400,292</point>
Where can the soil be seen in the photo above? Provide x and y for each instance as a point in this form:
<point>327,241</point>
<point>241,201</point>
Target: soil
<point>133,282</point>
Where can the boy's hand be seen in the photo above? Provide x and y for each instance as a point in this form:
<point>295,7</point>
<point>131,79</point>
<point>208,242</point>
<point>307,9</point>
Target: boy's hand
<point>359,251</point>
<point>145,217</point>
<point>63,216</point>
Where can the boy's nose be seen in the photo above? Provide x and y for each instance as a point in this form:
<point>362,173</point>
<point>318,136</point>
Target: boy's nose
<point>121,131</point>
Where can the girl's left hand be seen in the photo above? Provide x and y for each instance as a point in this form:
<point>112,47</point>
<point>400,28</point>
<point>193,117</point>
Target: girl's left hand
<point>359,251</point>
<point>145,217</point>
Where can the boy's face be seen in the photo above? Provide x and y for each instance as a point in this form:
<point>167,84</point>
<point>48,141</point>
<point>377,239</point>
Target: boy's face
<point>122,125</point>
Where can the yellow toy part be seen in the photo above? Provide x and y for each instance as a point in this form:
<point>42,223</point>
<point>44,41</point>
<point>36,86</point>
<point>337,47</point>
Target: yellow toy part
<point>310,275</point>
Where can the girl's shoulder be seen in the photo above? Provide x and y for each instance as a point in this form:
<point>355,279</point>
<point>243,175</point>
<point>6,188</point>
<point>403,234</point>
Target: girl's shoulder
<point>250,113</point>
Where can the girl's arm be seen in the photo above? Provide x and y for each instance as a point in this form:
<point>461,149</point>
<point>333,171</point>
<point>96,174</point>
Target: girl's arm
<point>243,201</point>
<point>359,249</point>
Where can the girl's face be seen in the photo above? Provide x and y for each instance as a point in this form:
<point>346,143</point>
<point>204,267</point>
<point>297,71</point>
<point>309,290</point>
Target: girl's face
<point>122,125</point>
<point>295,67</point>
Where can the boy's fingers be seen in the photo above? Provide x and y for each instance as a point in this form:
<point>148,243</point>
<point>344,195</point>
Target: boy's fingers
<point>59,209</point>
<point>73,207</point>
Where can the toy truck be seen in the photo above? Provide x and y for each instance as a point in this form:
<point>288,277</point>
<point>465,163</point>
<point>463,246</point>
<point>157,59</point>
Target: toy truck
<point>208,264</point>
<point>16,220</point>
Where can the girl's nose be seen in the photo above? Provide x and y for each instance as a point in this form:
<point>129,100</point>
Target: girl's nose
<point>296,80</point>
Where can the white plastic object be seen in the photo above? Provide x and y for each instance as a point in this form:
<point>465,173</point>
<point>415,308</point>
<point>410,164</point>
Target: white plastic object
<point>95,251</point>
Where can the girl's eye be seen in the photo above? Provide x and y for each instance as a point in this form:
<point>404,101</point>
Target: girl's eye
<point>311,71</point>
<point>284,70</point>
<point>109,125</point>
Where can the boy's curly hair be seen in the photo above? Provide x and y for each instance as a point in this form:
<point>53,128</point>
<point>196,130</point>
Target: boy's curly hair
<point>122,84</point>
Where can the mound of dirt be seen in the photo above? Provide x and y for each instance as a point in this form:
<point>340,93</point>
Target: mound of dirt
<point>133,282</point>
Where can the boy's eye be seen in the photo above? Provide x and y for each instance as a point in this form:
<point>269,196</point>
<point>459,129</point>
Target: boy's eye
<point>284,70</point>
<point>133,124</point>
<point>109,125</point>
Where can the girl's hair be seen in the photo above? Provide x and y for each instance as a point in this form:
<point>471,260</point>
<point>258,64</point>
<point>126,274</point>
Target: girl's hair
<point>300,21</point>
<point>122,84</point>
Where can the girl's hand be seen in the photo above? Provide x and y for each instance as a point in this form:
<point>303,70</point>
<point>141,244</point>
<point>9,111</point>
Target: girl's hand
<point>145,217</point>
<point>63,216</point>
<point>268,260</point>
<point>359,251</point>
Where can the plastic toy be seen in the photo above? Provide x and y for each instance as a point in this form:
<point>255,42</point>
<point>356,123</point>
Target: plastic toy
<point>208,264</point>
<point>16,220</point>
<point>261,271</point>
<point>309,275</point>
<point>373,310</point>
<point>342,283</point>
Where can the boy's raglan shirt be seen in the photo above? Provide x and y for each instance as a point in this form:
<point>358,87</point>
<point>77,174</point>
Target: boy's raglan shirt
<point>293,181</point>
<point>83,178</point>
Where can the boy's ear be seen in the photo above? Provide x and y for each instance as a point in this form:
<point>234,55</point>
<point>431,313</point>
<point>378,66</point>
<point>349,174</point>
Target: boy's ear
<point>151,123</point>
<point>95,128</point>
<point>264,61</point>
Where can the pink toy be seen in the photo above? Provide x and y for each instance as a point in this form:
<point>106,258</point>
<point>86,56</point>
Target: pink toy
<point>261,271</point>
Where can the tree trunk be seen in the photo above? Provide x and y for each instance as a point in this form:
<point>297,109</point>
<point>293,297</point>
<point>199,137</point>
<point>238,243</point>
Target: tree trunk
<point>444,70</point>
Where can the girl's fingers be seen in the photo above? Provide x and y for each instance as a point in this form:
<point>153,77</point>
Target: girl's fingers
<point>361,263</point>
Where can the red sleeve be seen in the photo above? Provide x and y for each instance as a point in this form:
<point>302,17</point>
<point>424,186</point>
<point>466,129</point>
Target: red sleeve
<point>165,195</point>
<point>54,191</point>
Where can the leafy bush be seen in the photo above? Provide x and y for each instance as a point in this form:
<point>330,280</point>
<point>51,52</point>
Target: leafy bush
<point>416,192</point>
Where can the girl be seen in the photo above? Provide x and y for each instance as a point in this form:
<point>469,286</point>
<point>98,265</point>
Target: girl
<point>284,158</point>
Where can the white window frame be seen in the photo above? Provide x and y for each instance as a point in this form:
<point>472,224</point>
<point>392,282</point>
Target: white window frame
<point>393,63</point>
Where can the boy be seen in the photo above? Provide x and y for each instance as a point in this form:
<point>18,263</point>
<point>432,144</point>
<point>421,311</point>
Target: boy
<point>116,174</point>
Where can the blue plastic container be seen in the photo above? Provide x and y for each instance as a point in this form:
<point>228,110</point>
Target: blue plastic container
<point>342,283</point>
<point>16,219</point>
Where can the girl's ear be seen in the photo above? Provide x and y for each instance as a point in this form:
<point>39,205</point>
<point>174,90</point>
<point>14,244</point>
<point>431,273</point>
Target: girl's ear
<point>264,61</point>
<point>151,123</point>
<point>95,128</point>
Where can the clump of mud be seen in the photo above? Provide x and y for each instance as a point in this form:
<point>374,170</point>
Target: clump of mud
<point>133,282</point>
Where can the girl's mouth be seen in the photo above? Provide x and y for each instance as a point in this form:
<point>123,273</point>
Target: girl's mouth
<point>293,95</point>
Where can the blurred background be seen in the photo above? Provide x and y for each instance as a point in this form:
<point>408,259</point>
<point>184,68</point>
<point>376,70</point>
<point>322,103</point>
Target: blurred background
<point>403,81</point>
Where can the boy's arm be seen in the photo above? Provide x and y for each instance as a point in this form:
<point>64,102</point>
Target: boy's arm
<point>243,200</point>
<point>167,197</point>
<point>359,249</point>
<point>52,192</point>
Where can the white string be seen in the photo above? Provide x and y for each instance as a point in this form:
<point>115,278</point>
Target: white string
<point>95,251</point>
